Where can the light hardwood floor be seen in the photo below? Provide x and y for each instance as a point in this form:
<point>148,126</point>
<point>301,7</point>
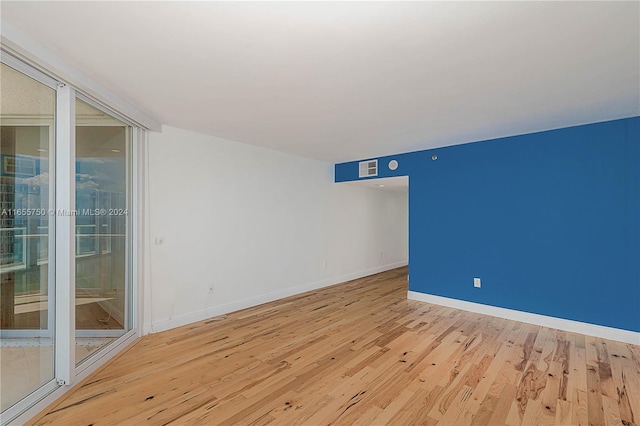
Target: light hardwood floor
<point>360,353</point>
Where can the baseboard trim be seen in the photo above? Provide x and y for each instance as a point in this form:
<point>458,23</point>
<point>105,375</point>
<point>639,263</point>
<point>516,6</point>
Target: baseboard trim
<point>217,310</point>
<point>604,332</point>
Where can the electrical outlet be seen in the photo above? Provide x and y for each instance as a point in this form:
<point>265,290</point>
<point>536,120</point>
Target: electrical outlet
<point>477,283</point>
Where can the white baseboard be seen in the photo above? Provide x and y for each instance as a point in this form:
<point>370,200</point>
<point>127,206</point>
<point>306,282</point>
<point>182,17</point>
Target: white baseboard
<point>536,319</point>
<point>213,311</point>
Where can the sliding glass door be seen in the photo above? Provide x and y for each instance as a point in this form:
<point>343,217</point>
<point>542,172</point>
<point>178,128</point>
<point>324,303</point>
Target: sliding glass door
<point>27,117</point>
<point>66,294</point>
<point>102,203</point>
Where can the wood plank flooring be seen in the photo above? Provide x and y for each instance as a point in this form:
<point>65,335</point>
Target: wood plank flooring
<point>360,353</point>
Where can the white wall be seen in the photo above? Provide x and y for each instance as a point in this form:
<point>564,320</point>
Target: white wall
<point>256,224</point>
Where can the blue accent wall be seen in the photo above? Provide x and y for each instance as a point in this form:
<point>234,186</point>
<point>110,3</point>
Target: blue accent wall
<point>549,221</point>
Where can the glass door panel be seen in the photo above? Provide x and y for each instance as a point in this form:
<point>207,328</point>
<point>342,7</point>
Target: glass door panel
<point>27,109</point>
<point>102,237</point>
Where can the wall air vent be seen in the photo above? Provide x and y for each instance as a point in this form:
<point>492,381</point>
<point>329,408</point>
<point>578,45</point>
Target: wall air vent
<point>368,168</point>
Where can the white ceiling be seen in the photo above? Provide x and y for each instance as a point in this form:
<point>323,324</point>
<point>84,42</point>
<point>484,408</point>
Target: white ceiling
<point>339,81</point>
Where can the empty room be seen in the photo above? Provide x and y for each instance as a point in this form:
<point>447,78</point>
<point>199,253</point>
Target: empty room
<point>317,213</point>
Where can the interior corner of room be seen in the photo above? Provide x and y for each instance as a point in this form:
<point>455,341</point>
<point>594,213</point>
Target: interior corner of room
<point>249,160</point>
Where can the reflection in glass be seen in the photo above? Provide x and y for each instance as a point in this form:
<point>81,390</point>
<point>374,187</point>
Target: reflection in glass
<point>27,110</point>
<point>101,229</point>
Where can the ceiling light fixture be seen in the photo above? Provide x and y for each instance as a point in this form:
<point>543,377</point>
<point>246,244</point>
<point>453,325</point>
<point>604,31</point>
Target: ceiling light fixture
<point>115,150</point>
<point>41,150</point>
<point>380,186</point>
